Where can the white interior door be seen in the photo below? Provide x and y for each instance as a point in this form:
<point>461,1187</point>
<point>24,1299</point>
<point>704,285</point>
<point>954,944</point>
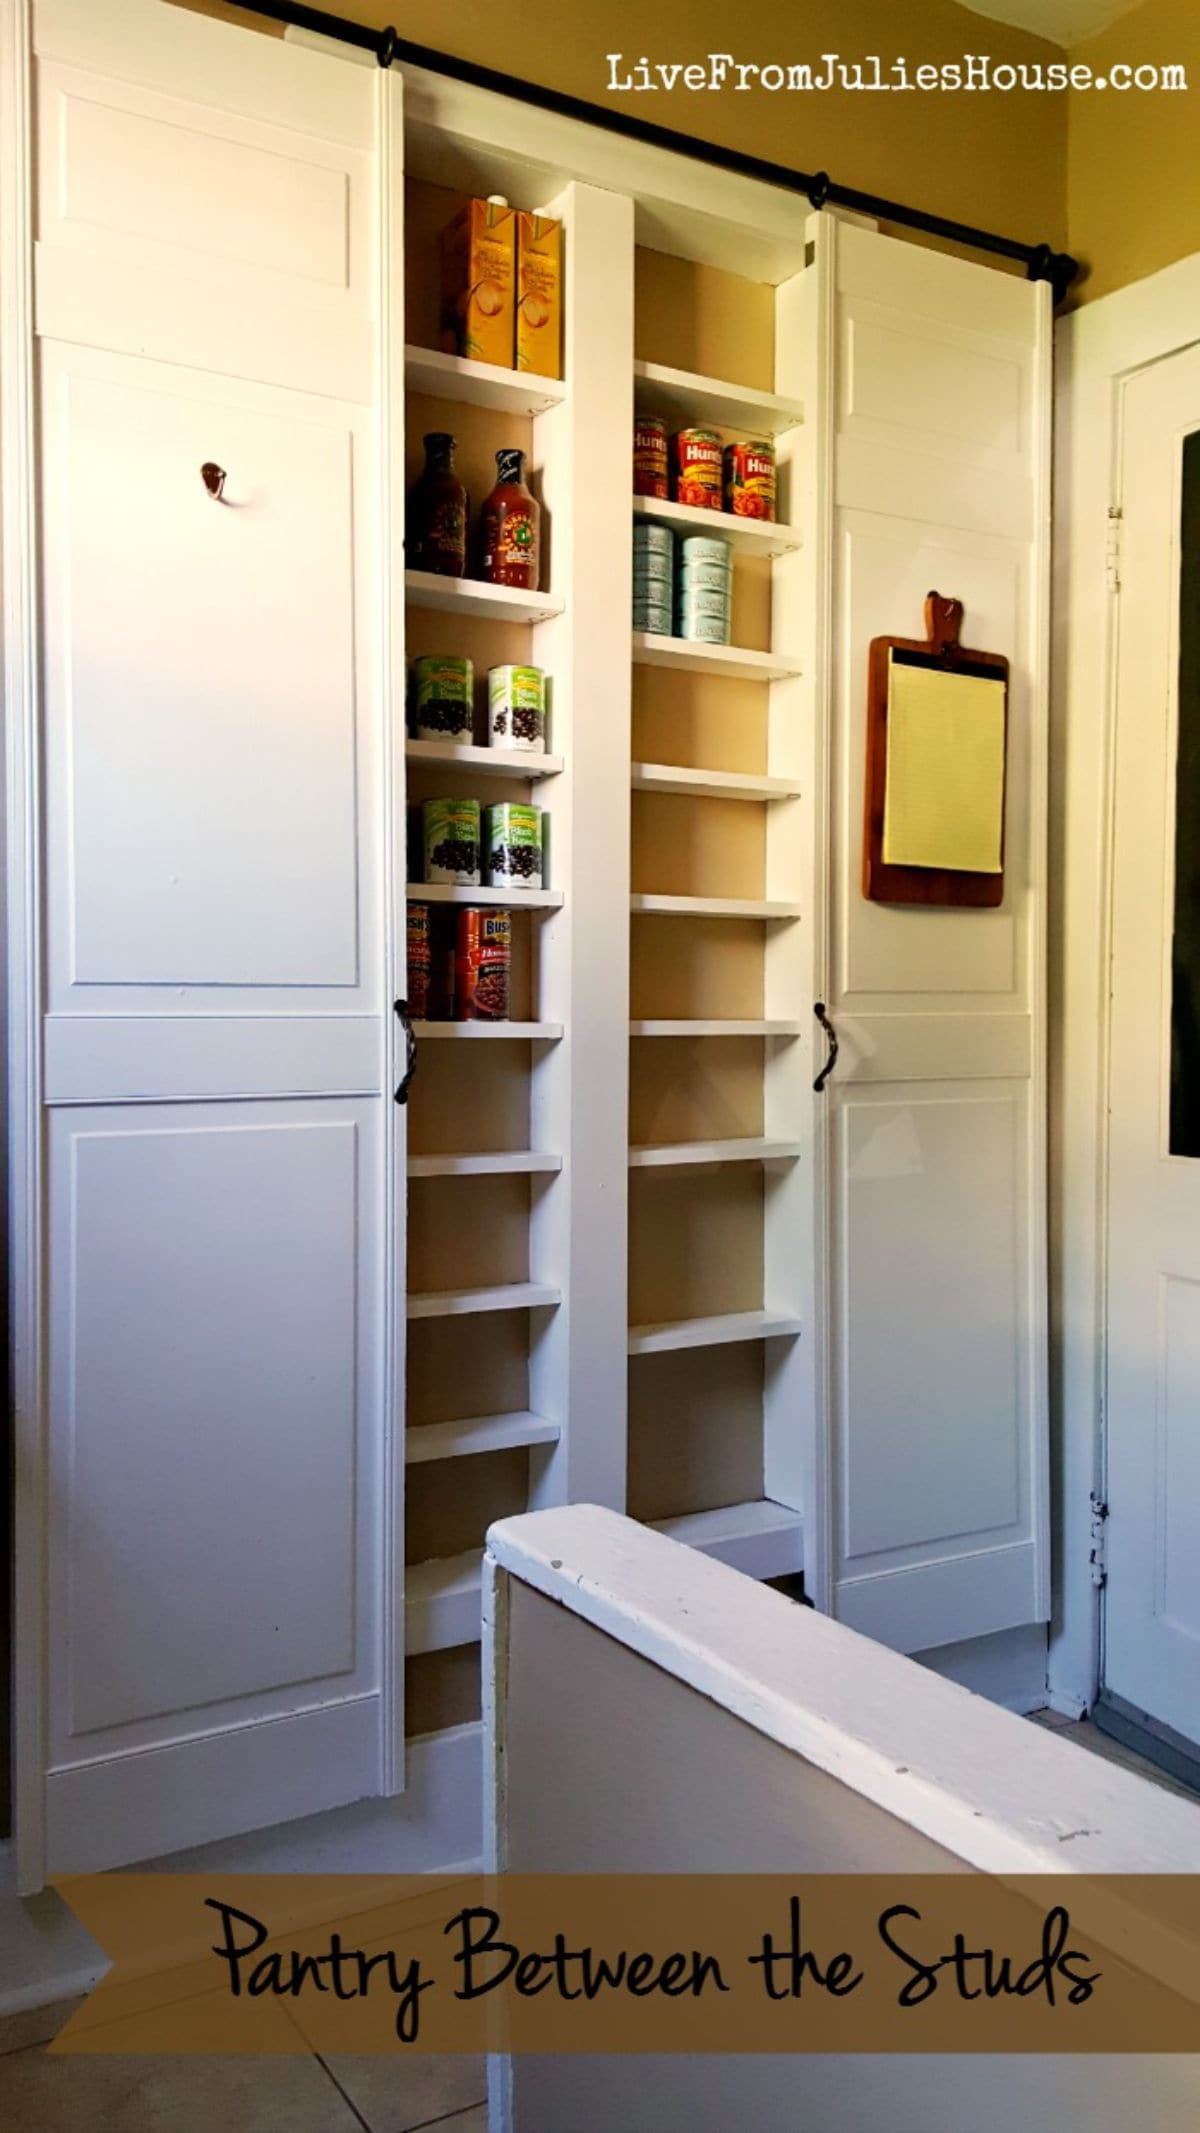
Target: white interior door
<point>937,1160</point>
<point>220,1652</point>
<point>1152,1606</point>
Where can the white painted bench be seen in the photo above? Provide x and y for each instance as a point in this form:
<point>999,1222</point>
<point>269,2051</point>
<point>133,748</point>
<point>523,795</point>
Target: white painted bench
<point>648,1709</point>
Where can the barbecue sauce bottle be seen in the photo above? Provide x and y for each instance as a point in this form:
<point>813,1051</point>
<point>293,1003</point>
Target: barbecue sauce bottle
<point>436,534</point>
<point>510,528</point>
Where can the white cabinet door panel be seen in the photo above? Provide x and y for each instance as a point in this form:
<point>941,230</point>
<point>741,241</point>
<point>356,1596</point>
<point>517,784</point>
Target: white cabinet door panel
<point>221,1645</point>
<point>936,1216</point>
<point>203,203</point>
<point>214,1439</point>
<point>203,754</point>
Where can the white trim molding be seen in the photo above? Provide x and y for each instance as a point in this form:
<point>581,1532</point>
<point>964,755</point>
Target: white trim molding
<point>19,635</point>
<point>1098,348</point>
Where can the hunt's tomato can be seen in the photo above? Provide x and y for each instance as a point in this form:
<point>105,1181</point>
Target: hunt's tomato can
<point>482,962</point>
<point>750,479</point>
<point>696,456</point>
<point>649,456</point>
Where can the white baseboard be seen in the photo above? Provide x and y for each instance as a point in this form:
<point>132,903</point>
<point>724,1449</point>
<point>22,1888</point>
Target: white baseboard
<point>1066,1706</point>
<point>435,1826</point>
<point>1008,1668</point>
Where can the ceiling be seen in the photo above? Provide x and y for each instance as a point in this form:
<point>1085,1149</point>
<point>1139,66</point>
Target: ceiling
<point>1065,22</point>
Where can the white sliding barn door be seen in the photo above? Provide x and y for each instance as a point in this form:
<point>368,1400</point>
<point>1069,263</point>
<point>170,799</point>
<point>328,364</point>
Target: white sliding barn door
<point>936,1176</point>
<point>218,1526</point>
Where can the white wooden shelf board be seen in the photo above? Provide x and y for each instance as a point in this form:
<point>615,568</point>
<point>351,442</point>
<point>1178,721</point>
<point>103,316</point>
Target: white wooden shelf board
<point>445,892</point>
<point>509,1032</point>
<point>482,1433</point>
<point>485,762</point>
<point>765,1540</point>
<point>498,1163</point>
<point>721,1331</point>
<point>724,662</point>
<point>746,536</point>
<point>694,1027</point>
<point>470,596</point>
<point>451,377</point>
<point>675,778</point>
<point>462,1303</point>
<point>711,907</point>
<point>687,397</point>
<point>442,1602</point>
<point>679,1155</point>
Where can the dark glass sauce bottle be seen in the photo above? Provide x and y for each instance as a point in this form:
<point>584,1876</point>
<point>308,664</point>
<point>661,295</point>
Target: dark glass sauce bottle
<point>436,532</point>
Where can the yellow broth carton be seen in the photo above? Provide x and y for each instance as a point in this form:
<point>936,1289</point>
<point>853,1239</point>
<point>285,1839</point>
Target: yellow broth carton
<point>478,290</point>
<point>539,295</point>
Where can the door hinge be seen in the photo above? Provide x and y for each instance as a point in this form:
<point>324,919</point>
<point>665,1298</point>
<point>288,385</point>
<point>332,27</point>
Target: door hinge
<point>1112,548</point>
<point>1099,1549</point>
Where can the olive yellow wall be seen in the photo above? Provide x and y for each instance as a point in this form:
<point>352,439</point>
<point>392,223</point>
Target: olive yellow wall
<point>1133,193</point>
<point>996,161</point>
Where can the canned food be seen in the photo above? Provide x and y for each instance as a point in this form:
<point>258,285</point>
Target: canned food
<point>452,841</point>
<point>750,479</point>
<point>707,577</point>
<point>443,691</point>
<point>705,629</point>
<point>512,842</point>
<point>649,456</point>
<point>482,965</point>
<point>696,459</point>
<point>705,600</point>
<point>517,707</point>
<point>701,548</point>
<point>651,539</point>
<point>420,961</point>
<point>656,621</point>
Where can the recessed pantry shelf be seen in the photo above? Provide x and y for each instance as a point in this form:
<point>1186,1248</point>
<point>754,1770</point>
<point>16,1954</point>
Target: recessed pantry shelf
<point>724,662</point>
<point>463,1303</point>
<point>451,377</point>
<point>470,596</point>
<point>444,892</point>
<point>698,1027</point>
<point>442,1602</point>
<point>763,1539</point>
<point>711,907</point>
<point>746,536</point>
<point>481,1434</point>
<point>502,1162</point>
<point>720,1331</point>
<point>711,784</point>
<point>491,762</point>
<point>680,1155</point>
<point>686,397</point>
<point>506,1032</point>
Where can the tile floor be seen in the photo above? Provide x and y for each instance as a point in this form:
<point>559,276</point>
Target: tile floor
<point>39,2094</point>
<point>1086,1735</point>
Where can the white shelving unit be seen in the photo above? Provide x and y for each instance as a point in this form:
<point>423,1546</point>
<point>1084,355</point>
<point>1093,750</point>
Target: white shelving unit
<point>719,1330</point>
<point>675,778</point>
<point>484,762</point>
<point>451,377</point>
<point>684,1155</point>
<point>722,662</point>
<point>442,892</point>
<point>471,600</point>
<point>746,536</point>
<point>685,397</point>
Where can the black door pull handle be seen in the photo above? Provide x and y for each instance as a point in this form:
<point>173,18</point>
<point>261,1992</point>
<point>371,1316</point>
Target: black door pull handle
<point>822,1016</point>
<point>410,1051</point>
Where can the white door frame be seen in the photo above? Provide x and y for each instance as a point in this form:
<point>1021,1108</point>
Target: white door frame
<point>19,638</point>
<point>1098,348</point>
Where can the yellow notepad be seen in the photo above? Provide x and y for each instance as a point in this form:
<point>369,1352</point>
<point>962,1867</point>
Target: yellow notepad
<point>944,802</point>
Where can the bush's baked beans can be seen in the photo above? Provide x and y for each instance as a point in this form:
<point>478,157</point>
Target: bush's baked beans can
<point>750,478</point>
<point>482,962</point>
<point>420,961</point>
<point>696,456</point>
<point>649,456</point>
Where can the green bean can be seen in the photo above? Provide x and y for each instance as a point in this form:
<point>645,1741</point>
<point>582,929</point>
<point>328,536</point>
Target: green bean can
<point>517,708</point>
